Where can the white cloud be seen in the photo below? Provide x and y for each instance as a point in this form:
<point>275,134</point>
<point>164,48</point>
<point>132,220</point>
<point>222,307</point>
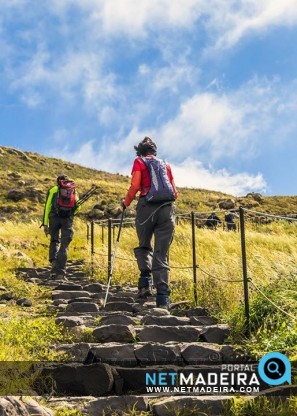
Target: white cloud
<point>225,21</point>
<point>204,120</point>
<point>171,77</point>
<point>192,174</point>
<point>72,75</point>
<point>134,17</point>
<point>224,126</point>
<point>233,20</point>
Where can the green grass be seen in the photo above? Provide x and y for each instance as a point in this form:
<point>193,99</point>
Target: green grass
<point>264,406</point>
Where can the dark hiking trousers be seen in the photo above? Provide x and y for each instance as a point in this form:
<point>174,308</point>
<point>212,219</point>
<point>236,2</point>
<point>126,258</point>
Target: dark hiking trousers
<point>154,261</point>
<point>61,232</point>
<point>231,226</point>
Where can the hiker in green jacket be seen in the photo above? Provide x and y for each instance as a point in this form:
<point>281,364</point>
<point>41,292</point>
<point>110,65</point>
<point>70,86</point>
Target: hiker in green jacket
<point>60,208</point>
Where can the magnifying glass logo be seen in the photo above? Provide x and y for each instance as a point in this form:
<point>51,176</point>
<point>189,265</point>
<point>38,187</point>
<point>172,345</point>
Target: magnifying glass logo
<point>274,369</point>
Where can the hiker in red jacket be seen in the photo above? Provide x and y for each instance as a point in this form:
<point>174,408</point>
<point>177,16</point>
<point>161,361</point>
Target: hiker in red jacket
<point>153,178</point>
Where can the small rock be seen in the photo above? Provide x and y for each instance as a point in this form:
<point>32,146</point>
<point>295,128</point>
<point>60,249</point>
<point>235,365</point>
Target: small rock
<point>227,204</point>
<point>157,312</point>
<point>14,175</point>
<point>35,409</point>
<point>114,354</point>
<point>93,287</point>
<point>119,306</point>
<point>15,195</point>
<point>117,320</point>
<point>163,334</point>
<point>82,307</point>
<point>96,214</point>
<point>7,296</point>
<point>215,334</point>
<point>69,321</point>
<point>11,406</point>
<point>115,333</point>
<point>255,195</point>
<point>123,404</point>
<point>75,352</point>
<point>24,302</point>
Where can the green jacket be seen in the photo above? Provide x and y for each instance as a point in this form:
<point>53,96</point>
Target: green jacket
<point>49,203</point>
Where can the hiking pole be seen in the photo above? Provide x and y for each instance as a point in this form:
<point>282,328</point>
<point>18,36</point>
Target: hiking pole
<point>113,258</point>
<point>86,196</point>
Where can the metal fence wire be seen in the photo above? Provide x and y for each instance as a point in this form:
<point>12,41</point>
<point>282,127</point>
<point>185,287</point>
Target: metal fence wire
<point>197,220</point>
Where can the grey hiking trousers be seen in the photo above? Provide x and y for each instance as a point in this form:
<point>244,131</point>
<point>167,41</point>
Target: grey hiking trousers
<point>154,260</point>
<point>58,249</point>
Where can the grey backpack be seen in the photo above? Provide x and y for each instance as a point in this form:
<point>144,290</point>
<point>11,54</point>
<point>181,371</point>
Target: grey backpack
<point>161,188</point>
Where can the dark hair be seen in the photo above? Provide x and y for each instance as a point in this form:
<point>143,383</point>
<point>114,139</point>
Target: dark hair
<point>146,147</point>
<point>62,178</point>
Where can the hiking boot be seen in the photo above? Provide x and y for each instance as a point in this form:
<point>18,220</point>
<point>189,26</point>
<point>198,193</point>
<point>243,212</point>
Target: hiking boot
<point>162,301</point>
<point>144,293</point>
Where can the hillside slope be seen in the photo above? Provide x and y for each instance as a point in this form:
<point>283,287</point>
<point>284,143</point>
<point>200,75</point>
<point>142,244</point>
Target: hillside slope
<point>26,177</point>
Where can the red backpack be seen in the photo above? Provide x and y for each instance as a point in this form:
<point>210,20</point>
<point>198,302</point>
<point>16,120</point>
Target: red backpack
<point>66,198</point>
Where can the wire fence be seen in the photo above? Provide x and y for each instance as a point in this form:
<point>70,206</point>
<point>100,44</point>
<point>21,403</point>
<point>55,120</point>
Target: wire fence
<point>197,220</point>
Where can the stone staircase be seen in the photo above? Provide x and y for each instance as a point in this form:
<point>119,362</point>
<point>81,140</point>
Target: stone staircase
<point>129,340</point>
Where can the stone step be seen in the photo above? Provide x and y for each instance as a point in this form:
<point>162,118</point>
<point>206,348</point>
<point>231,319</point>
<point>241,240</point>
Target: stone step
<point>195,405</point>
<point>68,287</point>
<point>170,320</point>
<point>187,333</point>
<point>154,333</point>
<point>147,353</point>
<point>119,306</point>
<point>144,404</point>
<point>198,311</point>
<point>118,319</point>
<point>164,320</point>
<point>116,405</point>
<point>121,298</point>
<point>99,379</point>
<point>70,294</point>
<point>82,307</point>
<point>93,314</point>
<point>14,406</point>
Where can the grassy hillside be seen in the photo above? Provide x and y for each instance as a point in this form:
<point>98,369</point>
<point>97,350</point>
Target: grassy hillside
<point>25,178</point>
<point>271,249</point>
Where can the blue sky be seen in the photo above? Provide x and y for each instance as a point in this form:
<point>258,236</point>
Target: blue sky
<point>214,82</point>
